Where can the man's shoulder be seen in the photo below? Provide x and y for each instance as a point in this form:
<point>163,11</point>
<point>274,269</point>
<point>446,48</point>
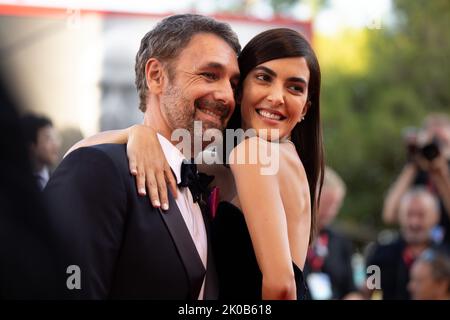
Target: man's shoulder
<point>91,168</point>
<point>109,149</point>
<point>394,242</point>
<point>387,250</point>
<point>115,152</point>
<point>337,236</point>
<point>93,159</point>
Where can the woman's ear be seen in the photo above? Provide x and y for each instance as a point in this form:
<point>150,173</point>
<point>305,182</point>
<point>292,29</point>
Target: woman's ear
<point>154,75</point>
<point>305,110</point>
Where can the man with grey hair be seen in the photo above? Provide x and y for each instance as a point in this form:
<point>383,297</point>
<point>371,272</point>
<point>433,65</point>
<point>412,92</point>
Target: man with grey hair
<point>328,268</point>
<point>418,215</point>
<point>120,245</point>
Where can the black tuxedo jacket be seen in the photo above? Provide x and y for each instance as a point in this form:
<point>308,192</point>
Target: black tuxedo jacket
<point>125,248</point>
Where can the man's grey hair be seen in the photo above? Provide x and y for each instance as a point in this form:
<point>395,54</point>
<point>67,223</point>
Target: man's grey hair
<point>332,180</point>
<point>419,191</point>
<point>170,36</point>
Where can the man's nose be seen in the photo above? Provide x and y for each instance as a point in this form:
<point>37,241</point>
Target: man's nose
<point>225,94</point>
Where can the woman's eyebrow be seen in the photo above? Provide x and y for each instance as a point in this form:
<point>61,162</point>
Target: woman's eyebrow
<point>297,79</point>
<point>274,74</point>
<point>269,71</point>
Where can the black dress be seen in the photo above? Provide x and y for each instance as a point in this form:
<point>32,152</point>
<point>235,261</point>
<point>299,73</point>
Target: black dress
<point>238,271</point>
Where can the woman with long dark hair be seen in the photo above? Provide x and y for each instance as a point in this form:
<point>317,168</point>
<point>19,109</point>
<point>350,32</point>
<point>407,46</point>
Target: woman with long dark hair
<point>265,223</point>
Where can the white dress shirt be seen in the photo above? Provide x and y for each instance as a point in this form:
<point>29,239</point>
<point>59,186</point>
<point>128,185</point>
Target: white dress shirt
<point>190,211</point>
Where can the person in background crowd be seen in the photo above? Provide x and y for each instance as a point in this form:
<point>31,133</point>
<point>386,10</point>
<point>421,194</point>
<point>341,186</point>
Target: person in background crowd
<point>428,166</point>
<point>328,267</point>
<point>418,215</point>
<point>43,145</point>
<point>23,272</point>
<point>430,277</point>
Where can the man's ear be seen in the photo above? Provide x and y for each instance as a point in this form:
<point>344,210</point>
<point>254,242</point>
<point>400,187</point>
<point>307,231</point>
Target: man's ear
<point>154,75</point>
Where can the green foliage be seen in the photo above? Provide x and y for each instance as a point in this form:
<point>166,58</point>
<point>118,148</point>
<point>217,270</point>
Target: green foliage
<point>282,6</point>
<point>408,76</point>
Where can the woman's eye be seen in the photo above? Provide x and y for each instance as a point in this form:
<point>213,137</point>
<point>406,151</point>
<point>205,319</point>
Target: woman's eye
<point>298,89</point>
<point>263,77</point>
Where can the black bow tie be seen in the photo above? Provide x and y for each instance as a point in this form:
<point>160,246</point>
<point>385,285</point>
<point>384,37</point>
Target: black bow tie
<point>195,181</point>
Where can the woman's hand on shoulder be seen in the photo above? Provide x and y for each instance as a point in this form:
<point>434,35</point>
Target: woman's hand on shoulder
<point>148,164</point>
<point>146,160</point>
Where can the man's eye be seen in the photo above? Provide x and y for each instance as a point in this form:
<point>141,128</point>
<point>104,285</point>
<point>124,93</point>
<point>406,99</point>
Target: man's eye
<point>209,75</point>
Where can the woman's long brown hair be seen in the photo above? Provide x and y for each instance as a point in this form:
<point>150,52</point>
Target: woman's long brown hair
<point>306,135</point>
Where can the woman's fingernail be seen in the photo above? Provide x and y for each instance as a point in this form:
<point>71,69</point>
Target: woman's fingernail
<point>165,206</point>
<point>156,203</point>
<point>142,191</point>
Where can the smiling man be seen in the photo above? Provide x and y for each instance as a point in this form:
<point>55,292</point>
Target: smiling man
<point>123,247</point>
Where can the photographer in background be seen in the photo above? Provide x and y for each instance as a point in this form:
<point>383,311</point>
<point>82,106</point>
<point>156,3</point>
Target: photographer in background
<point>428,166</point>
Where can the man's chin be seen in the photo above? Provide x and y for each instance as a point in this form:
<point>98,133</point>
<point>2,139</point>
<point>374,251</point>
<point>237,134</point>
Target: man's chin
<point>206,125</point>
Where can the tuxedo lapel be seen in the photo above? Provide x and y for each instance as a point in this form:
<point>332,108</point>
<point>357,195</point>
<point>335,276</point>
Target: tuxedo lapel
<point>185,246</point>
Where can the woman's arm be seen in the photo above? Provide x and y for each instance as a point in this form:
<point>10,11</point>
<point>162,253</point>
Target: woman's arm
<point>111,136</point>
<point>146,160</point>
<point>262,206</point>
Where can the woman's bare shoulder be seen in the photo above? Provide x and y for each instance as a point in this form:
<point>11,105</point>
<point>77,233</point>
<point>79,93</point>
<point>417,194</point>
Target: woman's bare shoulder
<point>292,176</point>
<point>250,151</point>
<point>292,163</point>
<point>271,158</point>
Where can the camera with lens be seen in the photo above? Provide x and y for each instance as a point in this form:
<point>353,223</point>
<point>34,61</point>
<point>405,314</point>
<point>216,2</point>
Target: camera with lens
<point>429,150</point>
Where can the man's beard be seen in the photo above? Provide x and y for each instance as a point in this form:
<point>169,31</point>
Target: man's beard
<point>177,109</point>
<point>181,112</point>
<point>218,107</point>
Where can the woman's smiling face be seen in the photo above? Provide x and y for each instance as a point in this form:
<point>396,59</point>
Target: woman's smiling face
<point>275,96</point>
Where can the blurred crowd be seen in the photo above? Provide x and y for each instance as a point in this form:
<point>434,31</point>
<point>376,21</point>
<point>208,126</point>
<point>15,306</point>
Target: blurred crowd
<point>413,261</point>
